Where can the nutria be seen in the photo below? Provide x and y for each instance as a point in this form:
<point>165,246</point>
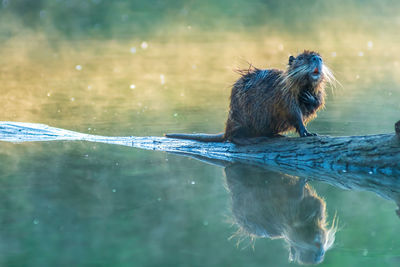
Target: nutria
<point>270,204</point>
<point>268,102</point>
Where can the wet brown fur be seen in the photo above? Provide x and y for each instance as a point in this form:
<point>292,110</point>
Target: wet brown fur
<point>269,102</point>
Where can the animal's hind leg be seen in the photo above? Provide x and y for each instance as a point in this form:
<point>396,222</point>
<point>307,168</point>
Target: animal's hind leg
<point>243,136</point>
<point>239,135</point>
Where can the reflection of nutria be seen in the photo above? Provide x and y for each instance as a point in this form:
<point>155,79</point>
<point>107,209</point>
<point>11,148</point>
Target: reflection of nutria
<point>268,102</point>
<point>275,205</point>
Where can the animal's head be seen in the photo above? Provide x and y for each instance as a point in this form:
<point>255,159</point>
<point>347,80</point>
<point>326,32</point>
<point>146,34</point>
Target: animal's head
<point>308,237</point>
<point>308,68</point>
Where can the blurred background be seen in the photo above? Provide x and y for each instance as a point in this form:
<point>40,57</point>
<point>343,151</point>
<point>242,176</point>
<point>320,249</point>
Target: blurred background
<point>149,67</point>
<point>83,63</point>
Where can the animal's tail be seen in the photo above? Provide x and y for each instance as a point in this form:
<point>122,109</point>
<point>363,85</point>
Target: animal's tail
<point>199,137</point>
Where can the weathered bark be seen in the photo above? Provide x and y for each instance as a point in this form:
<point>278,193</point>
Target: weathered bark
<point>372,154</point>
<point>367,163</point>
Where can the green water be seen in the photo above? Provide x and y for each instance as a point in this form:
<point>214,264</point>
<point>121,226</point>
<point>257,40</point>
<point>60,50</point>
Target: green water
<point>135,68</point>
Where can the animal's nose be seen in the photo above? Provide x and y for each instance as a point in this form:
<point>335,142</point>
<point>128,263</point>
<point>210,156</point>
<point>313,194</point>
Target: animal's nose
<point>316,59</point>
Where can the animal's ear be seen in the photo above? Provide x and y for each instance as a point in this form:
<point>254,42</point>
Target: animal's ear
<point>291,59</point>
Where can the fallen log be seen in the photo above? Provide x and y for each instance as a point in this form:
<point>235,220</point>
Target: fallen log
<point>371,154</point>
<point>361,163</point>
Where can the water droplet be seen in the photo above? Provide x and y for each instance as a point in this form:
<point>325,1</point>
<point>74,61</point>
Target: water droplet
<point>193,182</point>
<point>189,27</point>
<point>86,155</point>
<point>72,99</point>
<point>114,190</point>
<point>133,50</point>
<point>132,86</point>
<point>78,67</point>
<point>205,223</point>
<point>42,13</point>
<point>48,94</point>
<point>344,171</point>
<point>159,199</point>
<point>334,54</point>
<point>89,128</point>
<point>370,172</point>
<point>162,78</point>
<point>365,252</point>
<point>175,114</point>
<point>35,221</point>
<point>370,44</point>
<point>124,17</point>
<point>184,11</point>
<point>144,45</point>
<point>116,163</point>
<point>357,77</point>
<point>361,54</point>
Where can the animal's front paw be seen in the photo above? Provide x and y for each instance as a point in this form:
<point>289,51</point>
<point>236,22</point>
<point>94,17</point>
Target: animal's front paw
<point>308,98</point>
<point>307,133</point>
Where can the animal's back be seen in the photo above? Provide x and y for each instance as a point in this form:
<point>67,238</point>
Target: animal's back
<point>257,105</point>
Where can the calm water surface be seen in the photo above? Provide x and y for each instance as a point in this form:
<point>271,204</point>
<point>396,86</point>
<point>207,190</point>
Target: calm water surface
<point>77,203</point>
